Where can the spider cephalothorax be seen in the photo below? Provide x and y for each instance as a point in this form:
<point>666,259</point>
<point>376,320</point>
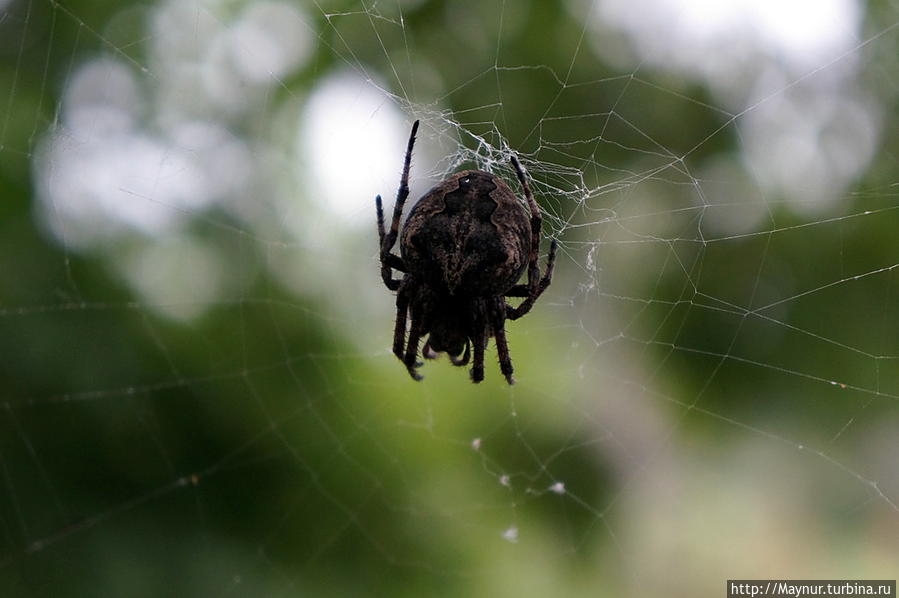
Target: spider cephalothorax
<point>464,246</point>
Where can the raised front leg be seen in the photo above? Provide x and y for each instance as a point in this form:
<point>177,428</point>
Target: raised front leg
<point>387,239</point>
<point>531,294</point>
<point>536,224</point>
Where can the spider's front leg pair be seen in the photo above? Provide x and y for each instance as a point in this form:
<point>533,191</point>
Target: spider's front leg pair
<point>391,262</point>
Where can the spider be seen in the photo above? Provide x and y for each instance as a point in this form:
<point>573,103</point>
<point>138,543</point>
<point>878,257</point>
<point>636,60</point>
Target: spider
<point>464,246</point>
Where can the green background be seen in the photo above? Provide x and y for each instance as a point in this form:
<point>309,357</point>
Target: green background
<point>270,445</point>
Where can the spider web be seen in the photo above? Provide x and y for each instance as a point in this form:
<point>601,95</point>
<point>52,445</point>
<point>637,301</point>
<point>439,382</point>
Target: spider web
<point>199,396</point>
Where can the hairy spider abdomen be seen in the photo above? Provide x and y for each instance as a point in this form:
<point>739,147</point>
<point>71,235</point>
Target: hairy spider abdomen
<point>467,236</point>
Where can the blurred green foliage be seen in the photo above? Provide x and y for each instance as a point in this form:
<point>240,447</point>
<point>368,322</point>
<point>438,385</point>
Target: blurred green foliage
<point>258,451</point>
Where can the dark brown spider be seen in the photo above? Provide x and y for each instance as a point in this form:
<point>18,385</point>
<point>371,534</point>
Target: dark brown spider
<point>464,246</point>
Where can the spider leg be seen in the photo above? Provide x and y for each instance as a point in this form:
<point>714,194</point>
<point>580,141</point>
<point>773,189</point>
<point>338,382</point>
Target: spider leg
<point>536,224</point>
<point>415,333</point>
<point>380,210</point>
<point>479,340</point>
<point>399,330</point>
<point>519,290</point>
<point>497,321</point>
<point>531,294</point>
<point>459,361</point>
<point>388,239</point>
<point>427,352</point>
<point>477,368</point>
<point>388,260</point>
